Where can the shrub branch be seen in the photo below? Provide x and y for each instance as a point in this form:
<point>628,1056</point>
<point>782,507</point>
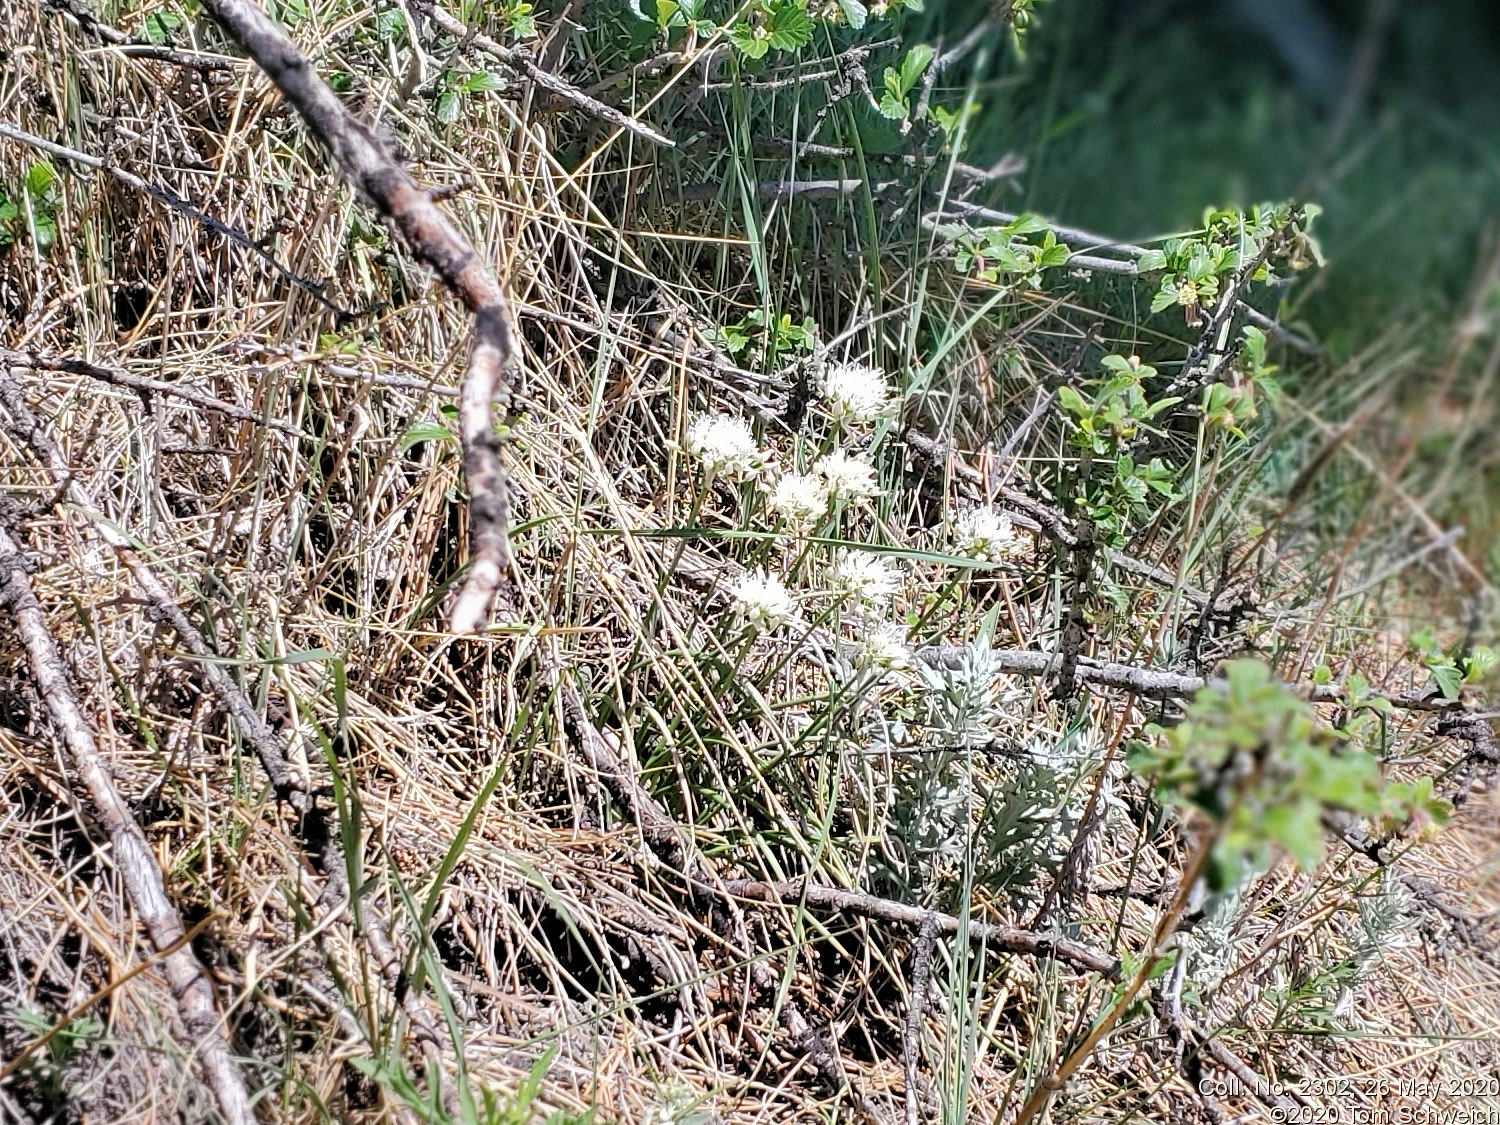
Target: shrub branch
<point>368,163</point>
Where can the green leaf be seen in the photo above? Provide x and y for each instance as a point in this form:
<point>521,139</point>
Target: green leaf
<point>1166,296</point>
<point>892,107</point>
<point>522,23</point>
<point>1448,679</point>
<point>1151,261</point>
<point>426,431</point>
<point>159,26</point>
<point>790,27</point>
<point>743,36</point>
<point>1478,662</point>
<point>1073,402</point>
<point>483,83</point>
<point>916,61</point>
<point>854,12</point>
<point>40,177</point>
<point>447,108</point>
<point>45,232</point>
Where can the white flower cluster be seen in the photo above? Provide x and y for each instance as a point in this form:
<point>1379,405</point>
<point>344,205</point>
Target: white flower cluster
<point>846,476</point>
<point>762,600</point>
<point>856,393</point>
<point>865,576</point>
<point>885,648</point>
<point>800,498</point>
<point>725,446</point>
<point>988,535</point>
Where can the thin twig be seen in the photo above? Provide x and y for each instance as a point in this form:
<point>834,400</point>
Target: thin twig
<point>1006,939</point>
<point>558,87</point>
<point>238,237</point>
<point>114,37</point>
<point>119,377</point>
<point>1153,683</point>
<point>911,1049</point>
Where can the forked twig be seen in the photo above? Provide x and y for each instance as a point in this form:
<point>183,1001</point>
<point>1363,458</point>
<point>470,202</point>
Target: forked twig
<point>368,163</point>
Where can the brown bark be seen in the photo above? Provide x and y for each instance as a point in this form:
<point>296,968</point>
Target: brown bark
<point>369,164</point>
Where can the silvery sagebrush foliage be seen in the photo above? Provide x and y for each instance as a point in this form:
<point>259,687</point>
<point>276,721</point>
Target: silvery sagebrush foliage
<point>960,794</point>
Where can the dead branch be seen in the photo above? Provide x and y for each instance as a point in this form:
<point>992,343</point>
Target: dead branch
<point>1056,525</point>
<point>1152,683</point>
<point>911,1048</point>
<point>1006,939</point>
<point>114,37</point>
<point>162,195</point>
<point>559,88</point>
<point>370,166</point>
<point>131,854</point>
<point>119,377</point>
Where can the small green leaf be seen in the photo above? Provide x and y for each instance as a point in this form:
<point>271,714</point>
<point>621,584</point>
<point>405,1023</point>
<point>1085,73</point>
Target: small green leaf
<point>1448,679</point>
<point>743,36</point>
<point>447,108</point>
<point>1478,662</point>
<point>1073,402</point>
<point>483,83</point>
<point>419,432</point>
<point>790,27</point>
<point>159,26</point>
<point>855,13</point>
<point>39,178</point>
<point>916,61</point>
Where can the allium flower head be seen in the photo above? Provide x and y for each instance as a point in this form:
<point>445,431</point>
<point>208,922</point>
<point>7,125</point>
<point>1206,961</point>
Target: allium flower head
<point>855,393</point>
<point>847,476</point>
<point>800,497</point>
<point>724,445</point>
<point>866,576</point>
<point>989,535</point>
<point>885,647</point>
<point>762,599</point>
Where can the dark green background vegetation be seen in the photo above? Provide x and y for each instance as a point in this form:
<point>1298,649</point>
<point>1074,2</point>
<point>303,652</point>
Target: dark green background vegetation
<point>1134,115</point>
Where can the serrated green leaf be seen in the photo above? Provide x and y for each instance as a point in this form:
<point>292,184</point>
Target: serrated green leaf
<point>790,27</point>
<point>746,41</point>
<point>1448,679</point>
<point>39,177</point>
<point>483,83</point>
<point>893,108</point>
<point>916,61</point>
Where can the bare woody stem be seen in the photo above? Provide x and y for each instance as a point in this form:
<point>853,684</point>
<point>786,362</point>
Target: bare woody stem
<point>130,853</point>
<point>1042,1093</point>
<point>369,164</point>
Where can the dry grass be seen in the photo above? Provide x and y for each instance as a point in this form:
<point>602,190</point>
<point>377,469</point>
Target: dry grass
<point>317,556</point>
